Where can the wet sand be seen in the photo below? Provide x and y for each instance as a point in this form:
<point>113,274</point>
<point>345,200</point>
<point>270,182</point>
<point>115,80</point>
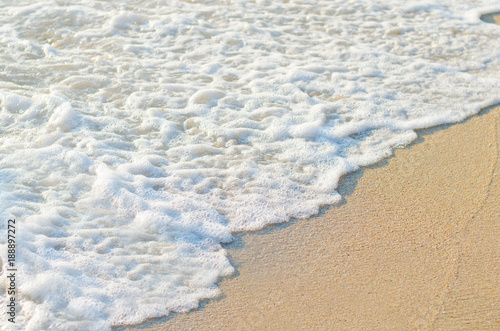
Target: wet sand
<point>414,245</point>
<point>493,18</point>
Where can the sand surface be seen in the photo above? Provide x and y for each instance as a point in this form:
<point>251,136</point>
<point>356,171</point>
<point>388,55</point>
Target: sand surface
<point>493,18</point>
<point>414,245</point>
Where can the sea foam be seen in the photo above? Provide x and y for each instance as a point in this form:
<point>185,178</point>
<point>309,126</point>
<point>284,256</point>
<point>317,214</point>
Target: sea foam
<point>137,136</point>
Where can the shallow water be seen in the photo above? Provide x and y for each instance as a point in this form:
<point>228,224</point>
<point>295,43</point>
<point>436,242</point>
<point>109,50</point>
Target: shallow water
<point>137,136</point>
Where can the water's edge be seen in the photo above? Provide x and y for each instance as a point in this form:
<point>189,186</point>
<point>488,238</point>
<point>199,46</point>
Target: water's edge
<point>347,186</point>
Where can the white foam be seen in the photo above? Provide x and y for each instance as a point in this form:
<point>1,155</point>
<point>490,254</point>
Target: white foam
<point>204,96</point>
<point>136,138</point>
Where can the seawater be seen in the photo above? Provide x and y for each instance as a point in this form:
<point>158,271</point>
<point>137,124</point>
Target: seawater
<point>137,136</point>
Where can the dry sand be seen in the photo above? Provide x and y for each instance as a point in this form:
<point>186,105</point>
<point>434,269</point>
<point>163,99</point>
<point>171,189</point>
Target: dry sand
<point>414,245</point>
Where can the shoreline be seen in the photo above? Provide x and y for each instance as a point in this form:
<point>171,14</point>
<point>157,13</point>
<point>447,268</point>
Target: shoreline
<point>395,253</point>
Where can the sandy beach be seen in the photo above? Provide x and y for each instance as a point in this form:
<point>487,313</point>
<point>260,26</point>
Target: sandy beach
<point>249,165</point>
<point>414,245</point>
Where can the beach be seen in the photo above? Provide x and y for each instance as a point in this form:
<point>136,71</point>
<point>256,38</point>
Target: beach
<point>413,245</point>
<point>249,164</point>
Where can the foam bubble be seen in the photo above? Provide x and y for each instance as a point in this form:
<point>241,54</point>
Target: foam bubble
<point>204,96</point>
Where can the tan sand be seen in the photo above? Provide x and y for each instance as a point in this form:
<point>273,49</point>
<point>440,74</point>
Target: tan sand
<point>415,245</point>
<point>493,18</point>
